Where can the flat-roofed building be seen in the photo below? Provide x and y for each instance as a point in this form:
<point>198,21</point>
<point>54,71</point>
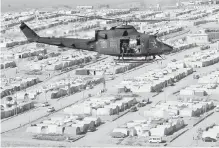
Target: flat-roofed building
<point>198,37</point>
<point>84,7</point>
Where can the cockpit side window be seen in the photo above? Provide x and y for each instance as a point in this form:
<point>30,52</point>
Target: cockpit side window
<point>125,33</point>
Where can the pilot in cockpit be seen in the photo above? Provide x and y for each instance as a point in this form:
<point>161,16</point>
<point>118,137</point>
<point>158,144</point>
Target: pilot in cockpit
<point>138,43</point>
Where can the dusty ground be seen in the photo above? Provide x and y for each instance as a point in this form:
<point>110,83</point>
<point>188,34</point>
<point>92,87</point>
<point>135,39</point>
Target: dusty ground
<point>92,139</point>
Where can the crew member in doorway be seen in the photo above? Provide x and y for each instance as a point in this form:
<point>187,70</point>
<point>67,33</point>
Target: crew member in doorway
<point>124,47</point>
<point>138,43</point>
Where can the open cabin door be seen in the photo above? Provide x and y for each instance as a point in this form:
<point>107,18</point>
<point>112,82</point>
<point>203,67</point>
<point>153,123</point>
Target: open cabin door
<point>108,47</point>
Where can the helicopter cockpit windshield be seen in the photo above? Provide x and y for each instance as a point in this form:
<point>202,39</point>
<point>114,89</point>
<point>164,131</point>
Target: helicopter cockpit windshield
<point>126,27</point>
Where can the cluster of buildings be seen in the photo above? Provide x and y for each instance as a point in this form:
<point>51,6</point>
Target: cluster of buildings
<point>107,66</point>
<point>156,127</point>
<point>62,61</point>
<point>11,108</point>
<point>9,86</point>
<point>198,59</point>
<point>102,106</point>
<point>207,85</point>
<point>163,30</point>
<point>181,12</point>
<point>83,117</point>
<point>168,117</point>
<point>202,36</point>
<point>211,133</point>
<point>21,53</point>
<point>7,64</point>
<point>155,80</point>
<point>65,124</point>
<point>176,109</point>
<point>163,120</point>
<point>21,100</point>
<point>69,86</point>
<point>180,45</point>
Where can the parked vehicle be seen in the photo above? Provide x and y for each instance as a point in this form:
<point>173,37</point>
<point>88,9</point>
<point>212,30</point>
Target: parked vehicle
<point>217,108</point>
<point>176,117</point>
<point>209,139</point>
<point>141,104</point>
<point>51,109</point>
<point>134,109</point>
<point>155,139</point>
<point>45,104</point>
<point>118,135</point>
<point>196,76</point>
<point>91,129</point>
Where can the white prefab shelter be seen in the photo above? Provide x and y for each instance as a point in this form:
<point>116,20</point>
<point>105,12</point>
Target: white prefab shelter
<point>132,124</point>
<point>156,113</point>
<point>162,130</point>
<point>52,129</point>
<point>83,127</point>
<point>72,131</point>
<point>212,133</point>
<point>58,118</point>
<point>178,124</point>
<point>187,92</point>
<point>34,129</point>
<point>132,132</point>
<point>96,120</point>
<point>49,122</point>
<point>104,111</point>
<point>121,130</point>
<point>78,110</point>
<point>115,108</point>
<point>186,112</point>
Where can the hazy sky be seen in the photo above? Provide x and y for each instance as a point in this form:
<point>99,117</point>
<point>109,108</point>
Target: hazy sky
<point>10,5</point>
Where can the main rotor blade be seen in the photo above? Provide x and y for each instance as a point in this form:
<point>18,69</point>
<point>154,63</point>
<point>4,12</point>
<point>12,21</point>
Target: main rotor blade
<point>158,20</point>
<point>128,20</point>
<point>96,17</point>
<point>161,57</point>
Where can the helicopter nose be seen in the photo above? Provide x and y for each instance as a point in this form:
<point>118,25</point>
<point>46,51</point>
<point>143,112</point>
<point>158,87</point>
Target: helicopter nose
<point>167,48</point>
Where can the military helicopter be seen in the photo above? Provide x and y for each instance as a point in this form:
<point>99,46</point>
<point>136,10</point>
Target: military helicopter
<point>113,42</point>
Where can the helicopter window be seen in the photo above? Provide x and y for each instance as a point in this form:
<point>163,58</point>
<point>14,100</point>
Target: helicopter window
<point>113,28</point>
<point>125,33</point>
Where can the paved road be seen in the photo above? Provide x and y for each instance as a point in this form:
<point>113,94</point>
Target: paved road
<point>188,136</point>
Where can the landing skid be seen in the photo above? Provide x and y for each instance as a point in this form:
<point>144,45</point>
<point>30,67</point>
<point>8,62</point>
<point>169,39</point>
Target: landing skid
<point>134,60</point>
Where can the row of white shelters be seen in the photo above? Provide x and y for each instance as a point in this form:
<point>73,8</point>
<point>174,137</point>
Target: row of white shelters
<point>156,79</point>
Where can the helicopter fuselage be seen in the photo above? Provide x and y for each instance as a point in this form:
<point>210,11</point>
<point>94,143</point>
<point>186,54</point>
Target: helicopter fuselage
<point>115,42</point>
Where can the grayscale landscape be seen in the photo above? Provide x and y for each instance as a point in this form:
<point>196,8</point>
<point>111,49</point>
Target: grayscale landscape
<point>109,73</point>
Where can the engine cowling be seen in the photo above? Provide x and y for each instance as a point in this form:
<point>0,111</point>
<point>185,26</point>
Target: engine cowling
<point>100,35</point>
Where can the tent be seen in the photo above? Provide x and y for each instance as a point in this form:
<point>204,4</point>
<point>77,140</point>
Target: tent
<point>96,120</point>
<point>72,131</point>
<point>121,130</point>
<point>34,129</point>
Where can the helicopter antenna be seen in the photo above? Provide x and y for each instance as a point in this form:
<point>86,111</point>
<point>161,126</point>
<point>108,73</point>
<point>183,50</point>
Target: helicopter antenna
<point>161,57</point>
